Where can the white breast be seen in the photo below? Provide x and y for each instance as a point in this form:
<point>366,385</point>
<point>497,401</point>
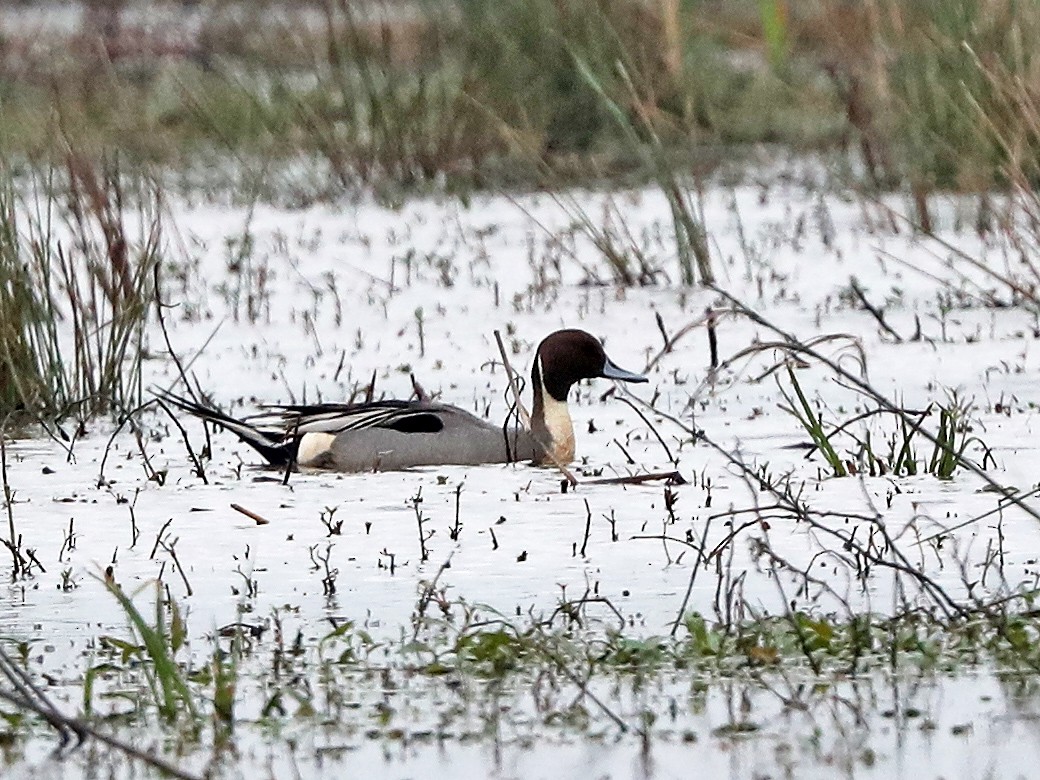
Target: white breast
<point>313,446</point>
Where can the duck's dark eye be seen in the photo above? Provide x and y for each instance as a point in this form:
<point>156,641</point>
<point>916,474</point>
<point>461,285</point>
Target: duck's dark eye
<point>423,422</point>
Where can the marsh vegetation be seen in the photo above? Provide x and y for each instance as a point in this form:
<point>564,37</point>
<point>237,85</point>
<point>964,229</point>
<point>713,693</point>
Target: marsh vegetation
<point>808,547</point>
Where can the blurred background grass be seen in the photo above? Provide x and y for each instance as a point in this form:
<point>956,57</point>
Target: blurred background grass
<point>923,94</point>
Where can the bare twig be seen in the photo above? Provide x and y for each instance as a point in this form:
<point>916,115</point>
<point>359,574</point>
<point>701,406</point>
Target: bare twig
<point>671,477</point>
<point>711,317</point>
<point>8,501</point>
<point>27,696</point>
<point>588,527</point>
<point>525,416</point>
<point>873,310</point>
<point>649,425</point>
<point>258,519</point>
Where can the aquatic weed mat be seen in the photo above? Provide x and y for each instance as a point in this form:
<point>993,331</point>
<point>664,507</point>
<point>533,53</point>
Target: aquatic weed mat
<point>471,690</point>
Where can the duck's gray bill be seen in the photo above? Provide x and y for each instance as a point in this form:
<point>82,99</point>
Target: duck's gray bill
<point>610,371</point>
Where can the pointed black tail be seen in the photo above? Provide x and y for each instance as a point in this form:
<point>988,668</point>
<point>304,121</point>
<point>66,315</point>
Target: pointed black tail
<point>269,442</point>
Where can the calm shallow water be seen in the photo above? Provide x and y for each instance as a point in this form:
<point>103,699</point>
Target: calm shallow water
<point>327,296</point>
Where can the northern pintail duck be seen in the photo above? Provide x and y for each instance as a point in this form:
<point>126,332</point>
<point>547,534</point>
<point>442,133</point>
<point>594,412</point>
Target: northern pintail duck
<point>393,435</point>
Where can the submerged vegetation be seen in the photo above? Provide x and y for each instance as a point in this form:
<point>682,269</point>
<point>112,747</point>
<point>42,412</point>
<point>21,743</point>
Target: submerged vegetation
<point>949,444</point>
<point>564,675</point>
